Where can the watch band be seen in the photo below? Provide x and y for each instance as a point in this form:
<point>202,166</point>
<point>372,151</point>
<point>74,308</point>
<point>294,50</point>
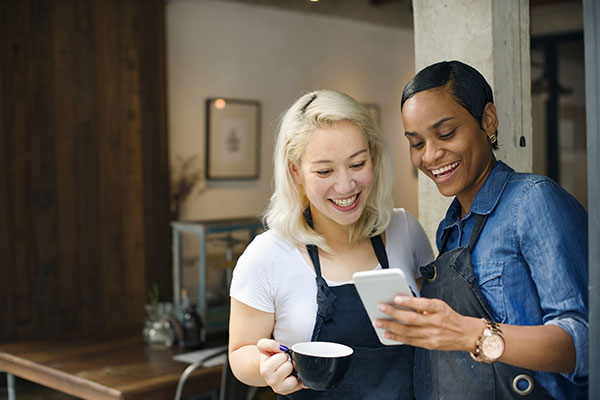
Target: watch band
<point>490,329</point>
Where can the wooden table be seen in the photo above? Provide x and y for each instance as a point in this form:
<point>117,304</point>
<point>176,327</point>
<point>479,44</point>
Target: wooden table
<point>115,366</point>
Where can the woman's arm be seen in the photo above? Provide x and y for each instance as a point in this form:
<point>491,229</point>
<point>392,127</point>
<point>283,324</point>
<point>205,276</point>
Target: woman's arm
<point>247,326</point>
<point>255,359</point>
<point>436,326</point>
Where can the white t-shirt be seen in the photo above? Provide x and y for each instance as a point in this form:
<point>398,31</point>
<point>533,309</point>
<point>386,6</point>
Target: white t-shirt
<point>273,276</point>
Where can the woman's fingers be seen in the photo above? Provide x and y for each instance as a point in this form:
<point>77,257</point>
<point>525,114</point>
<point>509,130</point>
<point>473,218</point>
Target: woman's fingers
<point>269,346</point>
<point>411,310</point>
<point>291,384</point>
<point>430,323</point>
<point>419,304</point>
<point>276,369</point>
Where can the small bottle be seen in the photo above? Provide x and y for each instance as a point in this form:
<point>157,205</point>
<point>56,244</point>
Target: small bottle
<point>193,329</point>
<point>183,306</point>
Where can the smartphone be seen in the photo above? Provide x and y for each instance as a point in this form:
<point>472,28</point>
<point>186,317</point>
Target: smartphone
<point>380,286</point>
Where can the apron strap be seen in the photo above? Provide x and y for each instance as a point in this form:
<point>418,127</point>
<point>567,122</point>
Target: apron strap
<point>379,247</point>
<point>325,297</point>
<point>445,237</point>
<point>477,228</point>
<point>313,253</point>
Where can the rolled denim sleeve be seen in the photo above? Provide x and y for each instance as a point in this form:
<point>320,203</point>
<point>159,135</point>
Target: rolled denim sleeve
<point>578,329</point>
<point>552,231</point>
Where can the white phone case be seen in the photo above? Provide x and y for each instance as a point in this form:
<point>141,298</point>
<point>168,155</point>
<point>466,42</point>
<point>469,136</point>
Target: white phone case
<point>380,286</point>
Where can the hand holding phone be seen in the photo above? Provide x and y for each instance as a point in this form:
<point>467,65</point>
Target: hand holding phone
<point>380,286</point>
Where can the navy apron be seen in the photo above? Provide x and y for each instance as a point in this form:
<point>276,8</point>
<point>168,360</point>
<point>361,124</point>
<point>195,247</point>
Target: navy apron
<point>454,375</point>
<point>377,371</point>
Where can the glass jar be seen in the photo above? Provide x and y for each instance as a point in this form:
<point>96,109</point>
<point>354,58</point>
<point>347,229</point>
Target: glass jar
<point>161,335</point>
<point>158,331</point>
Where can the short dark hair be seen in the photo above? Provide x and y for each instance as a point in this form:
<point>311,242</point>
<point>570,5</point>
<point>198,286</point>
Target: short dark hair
<point>464,83</point>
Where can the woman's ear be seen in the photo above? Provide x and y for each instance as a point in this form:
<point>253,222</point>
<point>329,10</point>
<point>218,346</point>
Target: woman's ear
<point>489,120</point>
<point>295,173</point>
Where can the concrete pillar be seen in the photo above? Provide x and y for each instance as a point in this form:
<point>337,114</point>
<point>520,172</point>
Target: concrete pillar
<point>492,36</point>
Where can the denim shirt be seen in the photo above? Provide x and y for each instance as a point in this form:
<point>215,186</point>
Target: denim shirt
<point>531,261</point>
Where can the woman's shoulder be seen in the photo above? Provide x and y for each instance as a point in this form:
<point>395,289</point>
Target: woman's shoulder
<point>532,197</point>
<point>404,227</point>
<point>267,243</point>
<point>530,187</point>
<point>264,255</point>
<point>529,178</point>
<point>401,219</point>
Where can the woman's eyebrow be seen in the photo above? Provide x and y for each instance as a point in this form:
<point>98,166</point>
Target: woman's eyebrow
<point>358,153</point>
<point>434,126</point>
<point>351,156</point>
<point>440,122</point>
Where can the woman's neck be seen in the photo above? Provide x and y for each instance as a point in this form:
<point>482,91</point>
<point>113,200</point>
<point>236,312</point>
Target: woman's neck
<point>336,235</point>
<point>467,197</point>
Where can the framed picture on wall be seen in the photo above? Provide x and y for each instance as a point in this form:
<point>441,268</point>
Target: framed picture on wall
<point>232,139</point>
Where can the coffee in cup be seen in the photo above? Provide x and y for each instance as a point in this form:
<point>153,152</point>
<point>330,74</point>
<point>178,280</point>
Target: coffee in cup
<point>320,365</point>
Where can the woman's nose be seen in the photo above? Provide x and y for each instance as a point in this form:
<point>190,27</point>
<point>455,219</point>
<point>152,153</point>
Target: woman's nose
<point>345,183</point>
<point>432,153</point>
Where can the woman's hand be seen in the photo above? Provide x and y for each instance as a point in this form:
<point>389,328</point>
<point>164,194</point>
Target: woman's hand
<point>431,324</point>
<point>276,368</point>
<point>434,325</point>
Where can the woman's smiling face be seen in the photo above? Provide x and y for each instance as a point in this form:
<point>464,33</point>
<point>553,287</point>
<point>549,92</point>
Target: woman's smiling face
<point>336,172</point>
<point>447,143</point>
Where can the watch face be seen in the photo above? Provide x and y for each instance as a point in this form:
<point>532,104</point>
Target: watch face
<point>492,347</point>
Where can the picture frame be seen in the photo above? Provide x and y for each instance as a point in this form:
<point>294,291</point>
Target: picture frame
<point>232,139</point>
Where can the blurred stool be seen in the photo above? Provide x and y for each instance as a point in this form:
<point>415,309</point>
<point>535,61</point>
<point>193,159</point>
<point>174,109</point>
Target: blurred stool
<point>231,387</point>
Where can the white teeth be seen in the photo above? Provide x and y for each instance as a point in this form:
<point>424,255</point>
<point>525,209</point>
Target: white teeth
<point>345,202</point>
<point>447,168</point>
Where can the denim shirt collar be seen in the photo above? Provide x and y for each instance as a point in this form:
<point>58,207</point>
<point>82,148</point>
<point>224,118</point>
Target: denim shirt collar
<point>486,199</point>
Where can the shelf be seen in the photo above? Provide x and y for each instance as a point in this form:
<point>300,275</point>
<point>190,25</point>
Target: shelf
<point>219,245</point>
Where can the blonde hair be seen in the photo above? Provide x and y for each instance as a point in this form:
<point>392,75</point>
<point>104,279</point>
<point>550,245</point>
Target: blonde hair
<point>313,110</point>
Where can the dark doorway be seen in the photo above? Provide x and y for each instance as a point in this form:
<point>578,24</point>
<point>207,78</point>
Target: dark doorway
<point>558,107</point>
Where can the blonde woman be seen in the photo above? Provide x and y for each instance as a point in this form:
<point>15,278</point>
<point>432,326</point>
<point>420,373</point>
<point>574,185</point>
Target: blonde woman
<point>330,215</point>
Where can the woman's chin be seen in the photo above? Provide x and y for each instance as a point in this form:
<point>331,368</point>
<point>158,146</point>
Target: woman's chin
<point>446,190</point>
<point>349,217</point>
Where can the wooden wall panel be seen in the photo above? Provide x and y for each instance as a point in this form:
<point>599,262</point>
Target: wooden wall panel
<point>42,166</point>
<point>153,97</point>
<point>77,135</point>
<point>83,167</point>
<point>17,262</point>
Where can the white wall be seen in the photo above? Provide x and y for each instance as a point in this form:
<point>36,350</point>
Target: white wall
<point>251,52</point>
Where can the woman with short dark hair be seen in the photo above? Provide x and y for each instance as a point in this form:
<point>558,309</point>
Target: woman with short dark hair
<point>504,312</point>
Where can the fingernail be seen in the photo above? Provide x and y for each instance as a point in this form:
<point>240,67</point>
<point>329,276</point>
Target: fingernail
<point>381,307</point>
<point>399,299</point>
<point>378,324</point>
<point>283,348</point>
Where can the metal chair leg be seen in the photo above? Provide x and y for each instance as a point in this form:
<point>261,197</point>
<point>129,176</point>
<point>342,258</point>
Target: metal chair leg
<point>10,380</point>
<point>184,376</point>
<point>190,369</point>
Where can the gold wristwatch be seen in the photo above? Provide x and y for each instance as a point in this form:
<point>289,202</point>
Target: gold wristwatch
<point>490,345</point>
